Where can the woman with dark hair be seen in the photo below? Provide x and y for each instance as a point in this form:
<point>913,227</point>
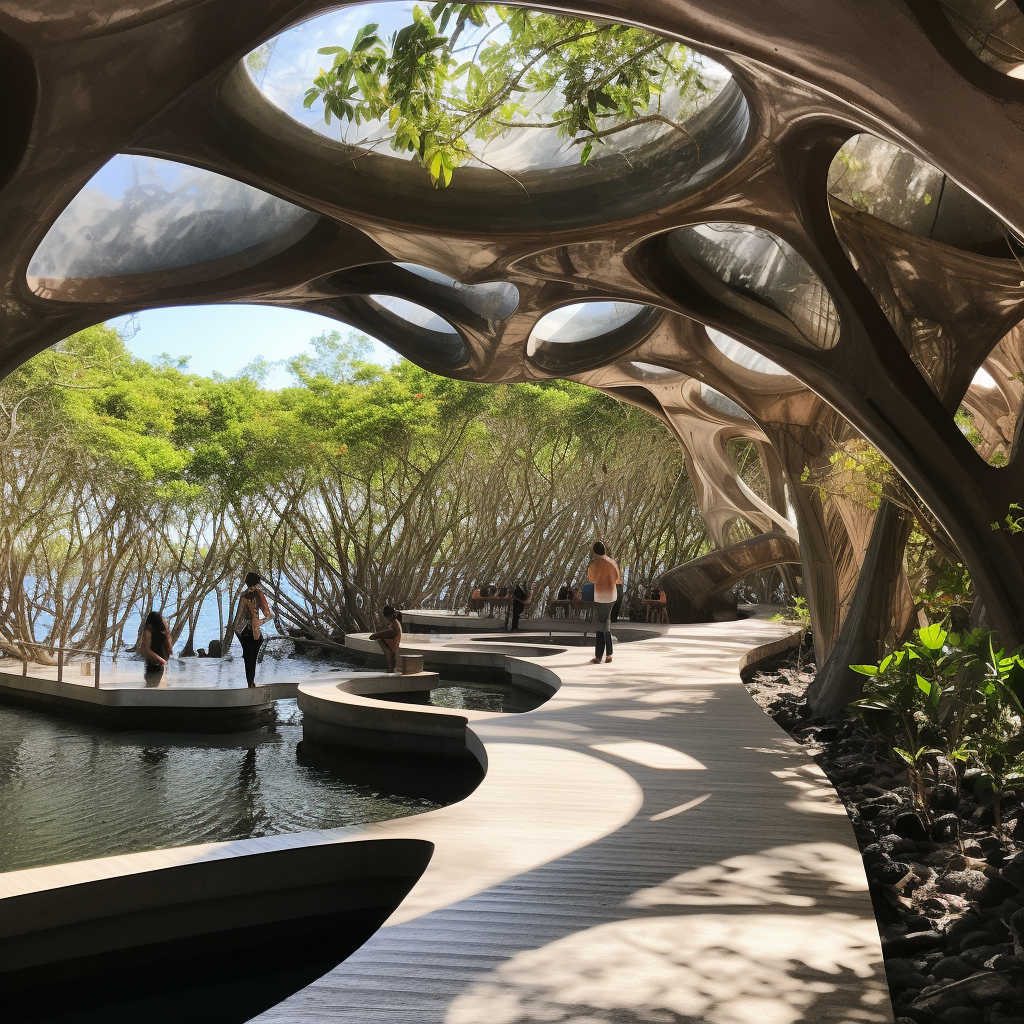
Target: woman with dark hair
<point>155,645</point>
<point>390,638</point>
<point>253,610</point>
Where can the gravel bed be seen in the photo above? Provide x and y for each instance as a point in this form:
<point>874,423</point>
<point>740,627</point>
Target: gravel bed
<point>947,888</point>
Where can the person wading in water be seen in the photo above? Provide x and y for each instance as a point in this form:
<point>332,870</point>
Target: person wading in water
<point>155,645</point>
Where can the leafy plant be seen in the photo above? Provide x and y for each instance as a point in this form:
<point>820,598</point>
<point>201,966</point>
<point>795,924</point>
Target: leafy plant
<point>952,697</point>
<point>478,71</point>
<point>1012,523</point>
<point>801,613</point>
<point>950,588</point>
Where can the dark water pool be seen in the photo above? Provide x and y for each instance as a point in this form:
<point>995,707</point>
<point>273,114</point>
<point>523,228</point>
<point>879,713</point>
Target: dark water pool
<point>474,696</point>
<point>73,791</point>
<point>485,697</point>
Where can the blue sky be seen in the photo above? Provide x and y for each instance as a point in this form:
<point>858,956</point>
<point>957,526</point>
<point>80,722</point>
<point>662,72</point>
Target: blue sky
<point>225,338</point>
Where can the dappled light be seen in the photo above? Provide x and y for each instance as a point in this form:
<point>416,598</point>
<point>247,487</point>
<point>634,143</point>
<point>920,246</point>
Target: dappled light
<point>651,755</point>
<point>790,876</point>
<point>754,969</point>
<point>731,293</point>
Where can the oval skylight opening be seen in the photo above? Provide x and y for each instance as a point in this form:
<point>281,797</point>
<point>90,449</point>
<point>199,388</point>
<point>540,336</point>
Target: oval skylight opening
<point>742,355</point>
<point>284,70</point>
<point>892,184</point>
<point>991,29</point>
<point>494,300</point>
<point>722,403</point>
<point>761,275</point>
<point>584,321</point>
<point>141,215</point>
<point>652,372</point>
<point>412,313</point>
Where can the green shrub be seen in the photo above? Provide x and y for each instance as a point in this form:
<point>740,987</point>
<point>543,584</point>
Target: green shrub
<point>950,701</point>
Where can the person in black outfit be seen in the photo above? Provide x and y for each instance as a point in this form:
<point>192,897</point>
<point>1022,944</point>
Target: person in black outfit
<point>155,645</point>
<point>520,599</point>
<point>252,604</point>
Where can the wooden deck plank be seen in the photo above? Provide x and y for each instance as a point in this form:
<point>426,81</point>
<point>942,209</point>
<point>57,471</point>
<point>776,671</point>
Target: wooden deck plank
<point>553,896</point>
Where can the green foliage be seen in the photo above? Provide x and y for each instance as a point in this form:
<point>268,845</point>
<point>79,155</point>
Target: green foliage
<point>1012,523</point>
<point>856,471</point>
<point>953,698</point>
<point>996,455</point>
<point>477,71</point>
<point>951,587</point>
<point>799,612</point>
<point>130,485</point>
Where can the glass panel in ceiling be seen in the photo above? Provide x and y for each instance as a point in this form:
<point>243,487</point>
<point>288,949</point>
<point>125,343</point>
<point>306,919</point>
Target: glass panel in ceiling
<point>743,355</point>
<point>894,185</point>
<point>758,266</point>
<point>652,372</point>
<point>412,313</point>
<point>584,321</point>
<point>138,215</point>
<point>284,68</point>
<point>992,29</point>
<point>492,301</point>
<point>723,404</point>
<point>419,333</point>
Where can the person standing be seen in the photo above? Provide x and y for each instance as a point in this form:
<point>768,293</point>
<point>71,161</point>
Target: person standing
<point>604,574</point>
<point>155,645</point>
<point>520,599</point>
<point>253,610</point>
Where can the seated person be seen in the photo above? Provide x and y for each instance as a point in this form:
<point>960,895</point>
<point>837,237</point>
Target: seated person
<point>563,601</point>
<point>656,601</point>
<point>475,600</point>
<point>390,638</point>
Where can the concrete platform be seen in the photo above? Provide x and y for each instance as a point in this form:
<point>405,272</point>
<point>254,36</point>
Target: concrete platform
<point>646,846</point>
<point>429,620</point>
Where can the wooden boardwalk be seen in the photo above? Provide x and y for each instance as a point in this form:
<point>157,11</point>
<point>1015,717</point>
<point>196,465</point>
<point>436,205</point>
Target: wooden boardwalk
<point>648,846</point>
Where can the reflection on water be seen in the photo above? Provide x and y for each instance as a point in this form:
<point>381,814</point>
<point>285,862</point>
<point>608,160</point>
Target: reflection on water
<point>70,791</point>
<point>473,696</point>
<point>486,697</point>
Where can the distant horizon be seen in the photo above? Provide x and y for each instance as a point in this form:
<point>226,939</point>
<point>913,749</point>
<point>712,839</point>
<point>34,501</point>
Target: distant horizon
<point>226,338</point>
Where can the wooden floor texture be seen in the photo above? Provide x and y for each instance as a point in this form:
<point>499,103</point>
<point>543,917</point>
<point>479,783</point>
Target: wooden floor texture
<point>648,847</point>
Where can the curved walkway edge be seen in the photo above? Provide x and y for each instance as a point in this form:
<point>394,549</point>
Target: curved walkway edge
<point>646,846</point>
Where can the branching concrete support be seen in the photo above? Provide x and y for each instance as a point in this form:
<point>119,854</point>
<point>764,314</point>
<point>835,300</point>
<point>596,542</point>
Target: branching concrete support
<point>876,614</point>
<point>699,590</point>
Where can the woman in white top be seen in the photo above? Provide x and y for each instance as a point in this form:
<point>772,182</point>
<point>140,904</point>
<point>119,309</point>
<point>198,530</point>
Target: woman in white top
<point>604,574</point>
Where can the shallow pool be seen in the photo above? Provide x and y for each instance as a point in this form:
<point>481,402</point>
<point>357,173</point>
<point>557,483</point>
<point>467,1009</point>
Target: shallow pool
<point>72,791</point>
<point>486,697</point>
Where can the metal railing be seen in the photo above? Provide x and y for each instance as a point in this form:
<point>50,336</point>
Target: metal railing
<point>60,652</point>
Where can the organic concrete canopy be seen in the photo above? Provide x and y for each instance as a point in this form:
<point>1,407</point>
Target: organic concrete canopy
<point>834,245</point>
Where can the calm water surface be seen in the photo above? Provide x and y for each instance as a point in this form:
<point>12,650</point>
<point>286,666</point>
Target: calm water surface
<point>485,697</point>
<point>72,791</point>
